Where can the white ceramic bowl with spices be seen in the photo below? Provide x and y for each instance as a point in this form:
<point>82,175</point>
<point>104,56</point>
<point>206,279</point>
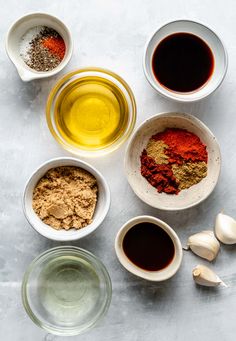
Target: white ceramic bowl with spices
<point>101,209</point>
<point>207,36</point>
<point>188,197</point>
<point>18,30</point>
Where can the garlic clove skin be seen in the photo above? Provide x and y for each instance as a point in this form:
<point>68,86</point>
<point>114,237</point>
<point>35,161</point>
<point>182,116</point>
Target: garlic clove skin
<point>204,244</point>
<point>225,229</point>
<point>202,275</point>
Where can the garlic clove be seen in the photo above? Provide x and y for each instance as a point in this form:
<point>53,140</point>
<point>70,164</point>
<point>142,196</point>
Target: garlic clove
<point>225,229</point>
<point>204,244</point>
<point>202,275</point>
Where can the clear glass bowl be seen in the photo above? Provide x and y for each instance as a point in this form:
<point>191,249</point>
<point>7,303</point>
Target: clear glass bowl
<point>66,290</point>
<point>81,75</point>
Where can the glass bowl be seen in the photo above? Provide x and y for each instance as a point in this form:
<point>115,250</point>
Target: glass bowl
<point>74,83</point>
<point>66,290</point>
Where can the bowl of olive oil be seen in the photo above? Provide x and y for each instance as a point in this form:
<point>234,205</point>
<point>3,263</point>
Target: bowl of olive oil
<point>91,111</point>
<point>66,290</point>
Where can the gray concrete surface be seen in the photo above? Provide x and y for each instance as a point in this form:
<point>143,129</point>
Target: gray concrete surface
<point>112,34</point>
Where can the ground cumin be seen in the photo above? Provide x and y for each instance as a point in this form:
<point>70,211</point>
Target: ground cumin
<point>66,197</point>
<point>156,150</point>
<point>189,174</point>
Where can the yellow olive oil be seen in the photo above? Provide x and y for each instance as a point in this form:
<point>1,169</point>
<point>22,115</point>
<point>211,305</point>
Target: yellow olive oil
<point>91,113</point>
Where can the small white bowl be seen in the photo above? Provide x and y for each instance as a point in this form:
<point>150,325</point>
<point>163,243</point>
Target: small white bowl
<point>212,40</point>
<point>156,276</point>
<point>20,27</point>
<point>101,209</point>
<point>186,198</point>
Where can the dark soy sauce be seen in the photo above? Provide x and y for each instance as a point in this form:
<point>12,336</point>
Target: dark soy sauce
<point>148,246</point>
<point>182,62</point>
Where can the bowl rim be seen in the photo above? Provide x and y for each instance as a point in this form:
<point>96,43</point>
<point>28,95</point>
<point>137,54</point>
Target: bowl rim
<point>76,235</point>
<point>168,94</point>
<point>134,269</point>
<point>34,73</point>
<point>94,260</point>
<point>93,153</point>
<point>197,122</point>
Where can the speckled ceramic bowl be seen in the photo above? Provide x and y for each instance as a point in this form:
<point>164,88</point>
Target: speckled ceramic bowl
<point>186,198</point>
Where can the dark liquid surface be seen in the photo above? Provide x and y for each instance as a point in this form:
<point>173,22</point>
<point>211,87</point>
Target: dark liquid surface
<point>182,62</point>
<point>148,246</point>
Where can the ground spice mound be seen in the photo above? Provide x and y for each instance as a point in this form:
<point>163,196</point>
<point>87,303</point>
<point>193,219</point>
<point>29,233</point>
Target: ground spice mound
<point>182,145</point>
<point>156,150</point>
<point>159,176</point>
<point>56,45</point>
<point>190,173</point>
<point>173,160</point>
<point>65,197</point>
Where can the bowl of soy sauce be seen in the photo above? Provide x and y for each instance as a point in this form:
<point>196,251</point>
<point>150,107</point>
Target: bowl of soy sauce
<point>185,61</point>
<point>149,248</point>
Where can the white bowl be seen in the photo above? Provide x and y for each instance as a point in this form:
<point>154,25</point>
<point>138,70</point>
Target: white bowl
<point>156,276</point>
<point>188,197</point>
<point>212,40</point>
<point>20,27</point>
<point>101,209</point>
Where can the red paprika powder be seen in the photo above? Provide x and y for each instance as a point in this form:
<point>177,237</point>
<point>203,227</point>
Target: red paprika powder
<point>55,45</point>
<point>183,145</point>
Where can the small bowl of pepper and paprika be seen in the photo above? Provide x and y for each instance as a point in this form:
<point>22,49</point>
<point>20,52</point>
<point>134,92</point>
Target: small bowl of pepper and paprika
<point>173,161</point>
<point>39,45</point>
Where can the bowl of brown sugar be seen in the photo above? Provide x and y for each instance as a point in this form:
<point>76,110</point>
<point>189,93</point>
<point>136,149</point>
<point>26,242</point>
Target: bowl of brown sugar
<point>66,199</point>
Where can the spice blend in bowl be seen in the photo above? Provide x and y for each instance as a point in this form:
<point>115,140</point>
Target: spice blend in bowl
<point>188,149</point>
<point>42,48</point>
<point>39,45</point>
<point>66,197</point>
<point>173,160</point>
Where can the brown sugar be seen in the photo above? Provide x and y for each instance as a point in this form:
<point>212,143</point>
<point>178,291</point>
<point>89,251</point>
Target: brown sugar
<point>65,197</point>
